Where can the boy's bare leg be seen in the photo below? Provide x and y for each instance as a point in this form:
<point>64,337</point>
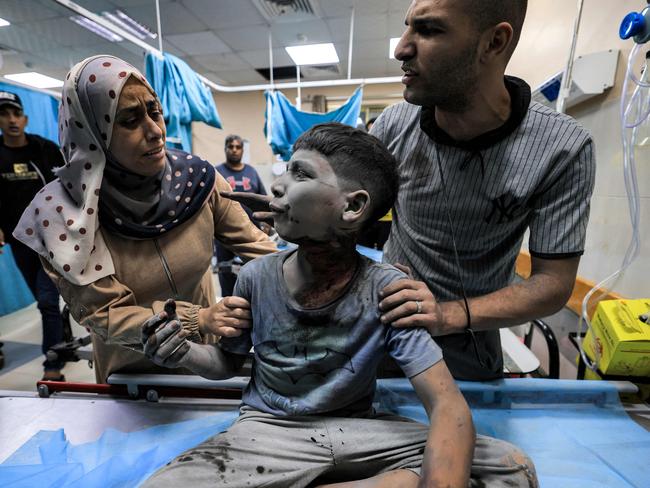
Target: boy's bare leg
<point>403,478</point>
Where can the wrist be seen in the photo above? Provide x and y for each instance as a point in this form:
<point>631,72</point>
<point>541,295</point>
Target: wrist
<point>201,319</point>
<point>454,317</point>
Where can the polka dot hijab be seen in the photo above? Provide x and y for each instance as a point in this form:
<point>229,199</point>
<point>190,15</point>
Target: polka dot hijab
<point>61,223</point>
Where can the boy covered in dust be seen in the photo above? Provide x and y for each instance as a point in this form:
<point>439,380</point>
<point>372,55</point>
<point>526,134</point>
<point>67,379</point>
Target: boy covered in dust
<point>307,416</point>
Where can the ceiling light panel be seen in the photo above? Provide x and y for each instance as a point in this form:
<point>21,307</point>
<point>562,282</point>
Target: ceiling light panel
<point>95,28</point>
<point>35,79</point>
<point>313,54</point>
<point>125,22</point>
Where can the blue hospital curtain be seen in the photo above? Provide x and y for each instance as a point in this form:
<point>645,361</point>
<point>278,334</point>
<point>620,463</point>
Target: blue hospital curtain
<point>184,98</point>
<point>41,108</point>
<point>285,123</point>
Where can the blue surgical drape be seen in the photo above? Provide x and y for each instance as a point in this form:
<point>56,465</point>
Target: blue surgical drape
<point>285,123</point>
<point>184,98</point>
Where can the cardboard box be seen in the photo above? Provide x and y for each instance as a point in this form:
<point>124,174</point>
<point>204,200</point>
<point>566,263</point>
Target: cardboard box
<point>618,339</point>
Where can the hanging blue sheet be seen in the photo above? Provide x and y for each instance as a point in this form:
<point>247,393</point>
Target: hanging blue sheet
<point>14,292</point>
<point>42,110</point>
<point>285,123</point>
<point>576,433</point>
<point>184,98</point>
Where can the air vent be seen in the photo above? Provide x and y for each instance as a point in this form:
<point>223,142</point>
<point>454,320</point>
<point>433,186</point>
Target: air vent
<point>276,11</point>
<point>280,73</point>
<point>323,70</point>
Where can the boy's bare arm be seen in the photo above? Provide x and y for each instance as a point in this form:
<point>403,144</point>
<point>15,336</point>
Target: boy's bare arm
<point>450,444</point>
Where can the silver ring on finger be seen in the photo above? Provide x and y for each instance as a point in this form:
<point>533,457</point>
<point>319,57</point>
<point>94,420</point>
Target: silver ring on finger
<point>418,303</point>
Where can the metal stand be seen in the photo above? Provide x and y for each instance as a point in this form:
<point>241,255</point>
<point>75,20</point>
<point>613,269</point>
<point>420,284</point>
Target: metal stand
<point>551,343</point>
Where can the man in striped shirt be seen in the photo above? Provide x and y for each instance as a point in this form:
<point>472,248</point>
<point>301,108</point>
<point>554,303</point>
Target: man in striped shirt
<point>479,164</point>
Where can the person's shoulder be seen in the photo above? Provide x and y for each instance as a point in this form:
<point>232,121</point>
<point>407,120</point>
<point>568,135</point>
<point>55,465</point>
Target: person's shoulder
<point>400,110</point>
<point>381,273</point>
<point>262,264</point>
<point>395,120</point>
<point>540,114</point>
<point>42,142</point>
<point>250,168</point>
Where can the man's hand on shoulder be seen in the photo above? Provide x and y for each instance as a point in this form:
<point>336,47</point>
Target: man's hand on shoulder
<point>410,303</point>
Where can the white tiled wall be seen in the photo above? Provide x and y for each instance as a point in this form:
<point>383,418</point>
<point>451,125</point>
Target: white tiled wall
<point>609,230</point>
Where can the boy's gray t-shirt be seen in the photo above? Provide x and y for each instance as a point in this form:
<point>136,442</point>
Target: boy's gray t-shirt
<point>321,361</point>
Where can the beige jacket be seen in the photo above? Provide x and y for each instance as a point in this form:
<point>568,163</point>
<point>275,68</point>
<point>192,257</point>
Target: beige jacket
<point>147,272</point>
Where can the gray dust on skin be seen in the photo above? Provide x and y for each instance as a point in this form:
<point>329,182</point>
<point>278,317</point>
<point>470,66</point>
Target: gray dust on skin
<point>331,264</point>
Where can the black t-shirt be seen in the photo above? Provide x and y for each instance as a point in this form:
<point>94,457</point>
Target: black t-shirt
<point>23,172</point>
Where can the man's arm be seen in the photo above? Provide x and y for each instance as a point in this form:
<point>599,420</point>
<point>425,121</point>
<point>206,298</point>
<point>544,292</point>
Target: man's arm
<point>545,292</point>
<point>450,443</point>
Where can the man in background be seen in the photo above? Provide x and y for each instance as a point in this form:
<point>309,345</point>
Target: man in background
<point>26,165</point>
<point>242,178</point>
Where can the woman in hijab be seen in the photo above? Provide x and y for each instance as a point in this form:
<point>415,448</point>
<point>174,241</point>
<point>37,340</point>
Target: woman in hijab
<point>129,223</point>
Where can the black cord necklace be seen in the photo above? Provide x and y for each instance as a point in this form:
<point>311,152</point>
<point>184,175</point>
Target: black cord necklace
<point>468,329</point>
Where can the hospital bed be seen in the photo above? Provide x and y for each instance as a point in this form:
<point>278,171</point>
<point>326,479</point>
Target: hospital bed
<point>577,432</point>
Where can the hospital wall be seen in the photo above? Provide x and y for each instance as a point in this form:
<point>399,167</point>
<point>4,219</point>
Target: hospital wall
<point>542,52</point>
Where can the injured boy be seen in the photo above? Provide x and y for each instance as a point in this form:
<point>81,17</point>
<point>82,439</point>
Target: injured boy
<point>307,417</point>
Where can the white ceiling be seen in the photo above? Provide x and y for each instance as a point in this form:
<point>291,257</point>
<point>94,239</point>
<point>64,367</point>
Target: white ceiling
<point>225,40</point>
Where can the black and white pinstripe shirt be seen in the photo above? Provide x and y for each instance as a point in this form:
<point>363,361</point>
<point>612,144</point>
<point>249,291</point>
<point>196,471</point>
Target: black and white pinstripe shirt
<point>535,172</point>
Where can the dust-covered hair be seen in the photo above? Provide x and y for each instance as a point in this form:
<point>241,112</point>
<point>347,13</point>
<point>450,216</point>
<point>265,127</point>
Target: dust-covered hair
<point>359,160</point>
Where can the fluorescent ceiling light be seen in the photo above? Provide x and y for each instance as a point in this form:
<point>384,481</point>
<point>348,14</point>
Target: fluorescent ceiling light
<point>95,28</point>
<point>4,22</point>
<point>34,79</point>
<point>392,46</point>
<point>313,54</point>
<point>134,27</point>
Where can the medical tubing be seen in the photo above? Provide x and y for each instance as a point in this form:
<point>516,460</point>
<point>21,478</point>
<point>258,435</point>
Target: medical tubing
<point>629,75</point>
<point>630,72</point>
<point>628,136</point>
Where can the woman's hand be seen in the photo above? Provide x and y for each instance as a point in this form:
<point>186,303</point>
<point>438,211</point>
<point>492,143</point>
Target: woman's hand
<point>228,318</point>
<point>259,204</point>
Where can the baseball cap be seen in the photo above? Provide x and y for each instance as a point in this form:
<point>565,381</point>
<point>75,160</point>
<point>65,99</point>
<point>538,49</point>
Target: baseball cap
<point>8,98</point>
